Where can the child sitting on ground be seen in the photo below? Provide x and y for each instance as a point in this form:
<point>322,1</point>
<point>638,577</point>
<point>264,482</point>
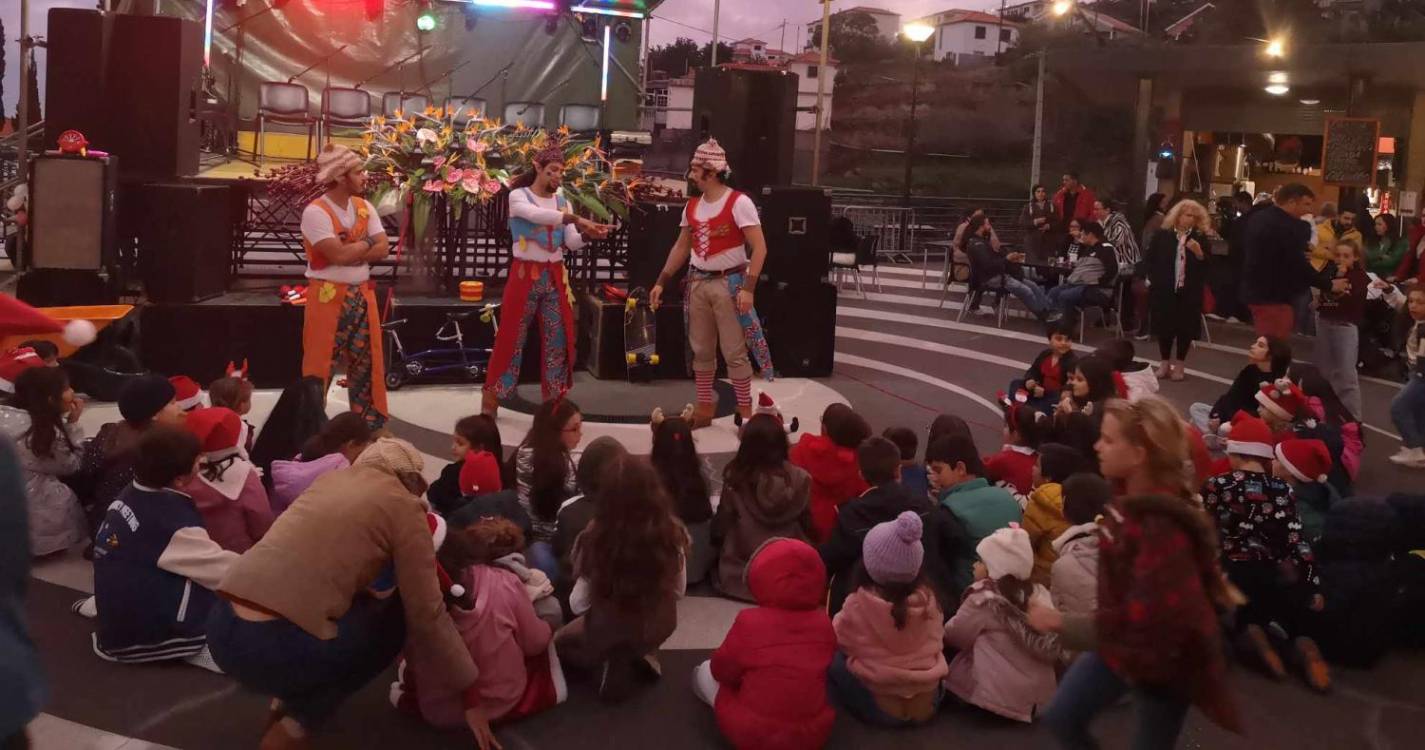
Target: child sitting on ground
<point>477,435</point>
<point>46,350</point>
<point>913,476</point>
<point>544,475</point>
<point>519,673</point>
<point>1003,665</point>
<point>155,567</point>
<point>1023,431</point>
<point>957,475</point>
<point>338,444</point>
<point>1079,415</point>
<point>186,393</point>
<point>1303,464</point>
<point>1267,360</point>
<point>890,661</point>
<point>1264,553</point>
<point>1138,377</point>
<point>887,499</point>
<point>763,496</point>
<point>1044,517</point>
<point>685,477</point>
<point>234,391</point>
<point>227,490</point>
<point>1073,579</point>
<point>1049,372</point>
<point>767,681</point>
<point>108,462</point>
<point>43,422</point>
<point>576,512</point>
<point>830,459</point>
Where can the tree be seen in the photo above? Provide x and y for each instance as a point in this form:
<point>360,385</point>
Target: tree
<point>855,37</point>
<point>684,54</point>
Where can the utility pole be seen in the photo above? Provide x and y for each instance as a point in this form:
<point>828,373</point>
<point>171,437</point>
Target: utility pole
<point>22,121</point>
<point>782,45</point>
<point>1035,160</point>
<point>717,12</point>
<point>820,93</point>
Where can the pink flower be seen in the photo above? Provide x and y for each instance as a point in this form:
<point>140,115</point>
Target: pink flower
<point>453,176</point>
<point>471,183</point>
<point>439,162</point>
<point>492,186</point>
<point>476,145</point>
<point>434,186</point>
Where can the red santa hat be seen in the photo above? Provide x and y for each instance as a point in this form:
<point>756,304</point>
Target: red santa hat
<point>1283,398</point>
<point>15,362</point>
<point>18,318</point>
<point>1250,436</point>
<point>186,392</point>
<point>480,474</point>
<point>1307,460</point>
<point>438,530</point>
<point>221,432</point>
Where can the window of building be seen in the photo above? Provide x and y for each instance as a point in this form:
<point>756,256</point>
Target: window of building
<point>980,32</point>
<point>811,71</point>
<point>1005,35</point>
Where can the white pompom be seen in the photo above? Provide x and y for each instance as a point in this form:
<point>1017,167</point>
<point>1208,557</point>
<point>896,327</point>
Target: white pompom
<point>457,590</point>
<point>79,333</point>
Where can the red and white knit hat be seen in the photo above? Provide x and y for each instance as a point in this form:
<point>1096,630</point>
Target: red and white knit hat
<point>438,530</point>
<point>186,392</point>
<point>1250,436</point>
<point>221,432</point>
<point>712,156</point>
<point>1284,399</point>
<point>15,362</point>
<point>1307,460</point>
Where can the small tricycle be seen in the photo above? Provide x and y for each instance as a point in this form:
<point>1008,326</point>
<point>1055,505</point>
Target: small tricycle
<point>403,368</point>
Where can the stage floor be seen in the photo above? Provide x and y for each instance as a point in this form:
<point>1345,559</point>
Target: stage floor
<point>901,360</point>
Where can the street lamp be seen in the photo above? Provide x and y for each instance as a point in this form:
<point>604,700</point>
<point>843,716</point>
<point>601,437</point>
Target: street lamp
<point>1276,47</point>
<point>1061,7</point>
<point>917,33</point>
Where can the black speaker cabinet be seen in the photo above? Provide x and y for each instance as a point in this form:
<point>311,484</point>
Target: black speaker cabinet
<point>800,323</point>
<point>72,219</point>
<point>185,241</point>
<point>62,287</point>
<point>601,335</point>
<point>797,225</point>
<point>77,47</point>
<point>753,115</point>
<point>156,63</point>
<point>652,230</point>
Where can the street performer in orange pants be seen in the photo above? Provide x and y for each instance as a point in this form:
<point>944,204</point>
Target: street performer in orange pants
<point>722,242</point>
<point>342,235</point>
<point>537,287</point>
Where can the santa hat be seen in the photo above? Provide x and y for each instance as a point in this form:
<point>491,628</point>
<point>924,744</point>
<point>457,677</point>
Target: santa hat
<point>1250,436</point>
<point>15,362</point>
<point>480,474</point>
<point>712,156</point>
<point>18,318</point>
<point>766,405</point>
<point>221,432</point>
<point>1307,460</point>
<point>1283,398</point>
<point>186,392</point>
<point>438,530</point>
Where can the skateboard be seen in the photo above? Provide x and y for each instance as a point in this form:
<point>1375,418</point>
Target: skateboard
<point>640,337</point>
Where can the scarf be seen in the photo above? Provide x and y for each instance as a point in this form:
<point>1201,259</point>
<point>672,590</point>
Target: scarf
<point>1180,261</point>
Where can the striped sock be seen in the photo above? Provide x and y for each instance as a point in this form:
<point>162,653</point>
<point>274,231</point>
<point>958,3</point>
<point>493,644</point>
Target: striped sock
<point>705,386</point>
<point>743,389</point>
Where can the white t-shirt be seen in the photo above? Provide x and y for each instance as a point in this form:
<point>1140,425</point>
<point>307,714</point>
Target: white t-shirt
<point>317,226</point>
<point>526,205</point>
<point>744,213</point>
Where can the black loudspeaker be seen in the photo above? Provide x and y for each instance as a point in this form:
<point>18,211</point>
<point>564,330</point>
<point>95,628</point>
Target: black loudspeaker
<point>800,323</point>
<point>72,221</point>
<point>797,225</point>
<point>156,63</point>
<point>753,115</point>
<point>185,241</point>
<point>57,287</point>
<point>652,230</point>
<point>601,336</point>
<point>77,45</point>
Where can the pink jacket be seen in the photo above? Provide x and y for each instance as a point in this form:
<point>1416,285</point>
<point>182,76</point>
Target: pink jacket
<point>1003,666</point>
<point>501,632</point>
<point>235,523</point>
<point>292,478</point>
<point>903,663</point>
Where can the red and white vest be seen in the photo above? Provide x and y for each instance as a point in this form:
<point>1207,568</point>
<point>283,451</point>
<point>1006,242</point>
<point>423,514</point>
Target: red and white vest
<point>718,234</point>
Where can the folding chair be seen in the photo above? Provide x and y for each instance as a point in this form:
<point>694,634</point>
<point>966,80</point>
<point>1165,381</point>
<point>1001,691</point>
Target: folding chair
<point>343,108</point>
<point>282,103</point>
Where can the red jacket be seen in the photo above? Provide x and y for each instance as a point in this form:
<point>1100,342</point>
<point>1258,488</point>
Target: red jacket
<point>1083,208</point>
<point>835,479</point>
<point>771,668</point>
<point>1013,468</point>
<point>1412,265</point>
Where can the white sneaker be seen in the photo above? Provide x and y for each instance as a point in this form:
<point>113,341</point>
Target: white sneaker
<point>1409,457</point>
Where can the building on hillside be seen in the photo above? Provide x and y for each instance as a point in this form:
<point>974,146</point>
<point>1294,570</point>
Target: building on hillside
<point>668,103</point>
<point>757,51</point>
<point>808,68</point>
<point>888,24</point>
<point>1086,19</point>
<point>1183,26</point>
<point>970,36</point>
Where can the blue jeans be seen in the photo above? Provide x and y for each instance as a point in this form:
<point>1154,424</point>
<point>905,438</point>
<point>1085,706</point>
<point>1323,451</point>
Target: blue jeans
<point>1066,297</point>
<point>856,698</point>
<point>1089,687</point>
<point>1338,348</point>
<point>1028,292</point>
<point>1408,412</point>
<point>310,676</point>
<point>540,555</point>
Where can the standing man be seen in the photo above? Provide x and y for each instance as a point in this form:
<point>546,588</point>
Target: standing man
<point>1073,201</point>
<point>1276,270</point>
<point>537,287</point>
<point>719,227</point>
<point>342,236</point>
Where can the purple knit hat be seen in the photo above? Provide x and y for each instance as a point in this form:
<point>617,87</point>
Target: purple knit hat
<point>892,551</point>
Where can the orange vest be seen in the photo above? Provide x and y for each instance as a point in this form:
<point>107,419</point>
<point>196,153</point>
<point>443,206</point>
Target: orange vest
<point>315,260</point>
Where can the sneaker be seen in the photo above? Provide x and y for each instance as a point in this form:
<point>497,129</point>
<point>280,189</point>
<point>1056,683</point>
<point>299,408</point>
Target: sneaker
<point>204,660</point>
<point>85,608</point>
<point>1313,667</point>
<point>1260,646</point>
<point>1409,457</point>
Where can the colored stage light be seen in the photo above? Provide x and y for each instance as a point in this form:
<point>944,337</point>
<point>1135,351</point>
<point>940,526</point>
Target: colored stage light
<point>425,21</point>
<point>604,79</point>
<point>621,8</point>
<point>529,4</point>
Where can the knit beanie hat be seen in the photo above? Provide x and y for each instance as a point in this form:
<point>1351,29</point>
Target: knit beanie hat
<point>480,474</point>
<point>1007,552</point>
<point>335,161</point>
<point>1250,436</point>
<point>711,155</point>
<point>393,456</point>
<point>892,551</point>
<point>186,392</point>
<point>144,397</point>
<point>1307,460</point>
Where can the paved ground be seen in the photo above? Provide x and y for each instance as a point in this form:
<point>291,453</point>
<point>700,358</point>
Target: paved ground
<point>901,360</point>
